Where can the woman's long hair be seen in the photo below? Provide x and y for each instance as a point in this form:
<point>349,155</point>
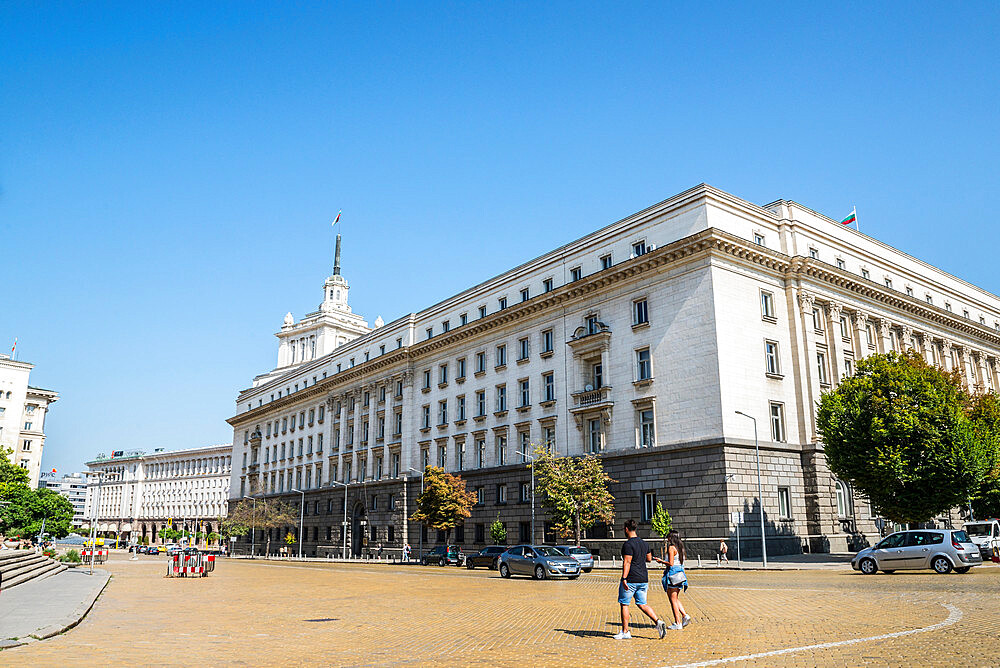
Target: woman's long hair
<point>674,538</point>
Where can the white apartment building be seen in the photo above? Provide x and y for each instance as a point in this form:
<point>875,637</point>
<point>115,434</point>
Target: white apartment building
<point>23,410</point>
<point>133,494</point>
<point>74,487</point>
<point>638,342</point>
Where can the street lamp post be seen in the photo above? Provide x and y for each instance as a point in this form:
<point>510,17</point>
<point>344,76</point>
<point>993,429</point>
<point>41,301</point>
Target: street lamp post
<point>532,458</point>
<point>760,494</point>
<point>343,530</point>
<point>421,536</point>
<point>93,525</point>
<point>253,526</point>
<point>302,512</point>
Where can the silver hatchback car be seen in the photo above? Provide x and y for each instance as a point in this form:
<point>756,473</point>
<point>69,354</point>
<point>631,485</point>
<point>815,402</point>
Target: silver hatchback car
<point>539,561</point>
<point>942,550</point>
<point>581,554</point>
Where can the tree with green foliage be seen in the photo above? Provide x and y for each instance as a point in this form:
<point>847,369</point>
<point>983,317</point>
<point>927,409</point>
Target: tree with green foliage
<point>444,502</point>
<point>498,532</point>
<point>289,538</point>
<point>23,510</point>
<point>662,524</point>
<point>574,491</point>
<point>897,430</point>
<point>985,415</point>
<point>214,537</point>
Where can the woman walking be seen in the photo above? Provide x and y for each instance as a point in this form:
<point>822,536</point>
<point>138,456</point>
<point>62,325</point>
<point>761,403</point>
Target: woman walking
<point>675,579</point>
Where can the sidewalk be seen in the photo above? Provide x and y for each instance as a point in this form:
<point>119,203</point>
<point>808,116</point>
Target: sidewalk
<point>43,608</point>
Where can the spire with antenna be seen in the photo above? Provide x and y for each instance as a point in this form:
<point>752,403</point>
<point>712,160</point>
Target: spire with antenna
<point>336,258</point>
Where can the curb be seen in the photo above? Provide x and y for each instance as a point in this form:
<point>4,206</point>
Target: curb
<point>63,625</point>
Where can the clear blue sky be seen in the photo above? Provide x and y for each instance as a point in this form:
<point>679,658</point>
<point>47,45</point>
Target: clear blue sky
<point>169,171</point>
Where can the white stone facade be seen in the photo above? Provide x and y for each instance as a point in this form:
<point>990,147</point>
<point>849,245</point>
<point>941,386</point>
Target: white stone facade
<point>639,341</point>
<point>140,493</point>
<point>23,410</point>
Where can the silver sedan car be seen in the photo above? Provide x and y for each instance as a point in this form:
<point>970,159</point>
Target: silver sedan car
<point>942,550</point>
<point>539,562</point>
<point>581,554</point>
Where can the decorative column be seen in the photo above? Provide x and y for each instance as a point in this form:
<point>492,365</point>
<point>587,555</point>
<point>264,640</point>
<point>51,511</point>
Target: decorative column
<point>835,340</point>
<point>810,375</point>
<point>884,329</point>
<point>860,335</point>
<point>356,432</point>
<point>984,374</point>
<point>408,446</point>
<point>372,424</point>
<point>907,342</point>
<point>948,361</point>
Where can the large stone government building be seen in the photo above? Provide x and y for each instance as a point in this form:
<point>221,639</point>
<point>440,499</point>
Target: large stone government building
<point>640,342</point>
<point>23,410</point>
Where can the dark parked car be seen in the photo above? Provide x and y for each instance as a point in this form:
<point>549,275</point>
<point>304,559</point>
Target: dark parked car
<point>444,555</point>
<point>190,550</point>
<point>488,557</point>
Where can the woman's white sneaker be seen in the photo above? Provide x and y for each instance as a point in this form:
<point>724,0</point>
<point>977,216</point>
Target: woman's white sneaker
<point>622,635</point>
<point>685,621</point>
<point>675,627</point>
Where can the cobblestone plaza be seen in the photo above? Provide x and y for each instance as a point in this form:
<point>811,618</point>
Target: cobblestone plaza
<point>256,613</point>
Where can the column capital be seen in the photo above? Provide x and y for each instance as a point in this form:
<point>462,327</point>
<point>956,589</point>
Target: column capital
<point>884,325</point>
<point>861,317</point>
<point>806,301</point>
<point>834,309</point>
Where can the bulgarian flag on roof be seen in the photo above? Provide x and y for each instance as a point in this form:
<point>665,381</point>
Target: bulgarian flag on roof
<point>851,219</point>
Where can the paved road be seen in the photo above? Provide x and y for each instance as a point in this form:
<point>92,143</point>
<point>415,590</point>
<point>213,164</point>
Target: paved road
<point>46,606</point>
<point>251,613</point>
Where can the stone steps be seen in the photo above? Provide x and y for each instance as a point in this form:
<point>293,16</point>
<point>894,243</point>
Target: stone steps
<point>20,566</point>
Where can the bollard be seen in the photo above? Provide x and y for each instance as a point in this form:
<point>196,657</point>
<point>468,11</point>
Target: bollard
<point>718,560</point>
<point>699,561</point>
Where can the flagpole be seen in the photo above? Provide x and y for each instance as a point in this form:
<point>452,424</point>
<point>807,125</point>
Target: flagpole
<point>857,224</point>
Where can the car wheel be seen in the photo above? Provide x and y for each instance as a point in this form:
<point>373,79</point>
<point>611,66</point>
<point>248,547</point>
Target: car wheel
<point>504,571</point>
<point>889,572</point>
<point>587,570</point>
<point>493,566</point>
<point>941,565</point>
<point>963,570</point>
<point>442,562</point>
<point>573,577</point>
<point>469,564</point>
<point>539,572</point>
<point>868,566</point>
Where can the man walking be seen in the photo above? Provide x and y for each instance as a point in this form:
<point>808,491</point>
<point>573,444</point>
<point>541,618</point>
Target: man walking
<point>635,581</point>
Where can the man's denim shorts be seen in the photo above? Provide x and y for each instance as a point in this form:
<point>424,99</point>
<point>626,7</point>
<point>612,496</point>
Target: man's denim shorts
<point>636,589</point>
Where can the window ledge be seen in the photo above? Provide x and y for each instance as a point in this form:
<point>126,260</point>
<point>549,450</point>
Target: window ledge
<point>499,414</point>
<point>769,318</point>
<point>442,425</point>
<point>524,360</point>
<point>640,325</point>
<point>460,380</point>
<point>479,418</point>
<point>500,367</point>
<point>480,374</point>
<point>547,404</point>
<point>425,390</point>
<point>424,430</point>
<point>524,409</point>
<point>645,382</point>
<point>443,385</point>
<point>775,376</point>
<point>459,423</point>
<point>545,354</point>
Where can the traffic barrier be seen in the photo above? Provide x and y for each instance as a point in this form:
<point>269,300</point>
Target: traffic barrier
<point>99,556</point>
<point>190,565</point>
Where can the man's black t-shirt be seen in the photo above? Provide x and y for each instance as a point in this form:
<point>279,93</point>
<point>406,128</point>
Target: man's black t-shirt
<point>638,548</point>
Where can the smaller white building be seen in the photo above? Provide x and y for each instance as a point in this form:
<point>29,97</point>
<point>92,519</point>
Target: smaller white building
<point>132,494</point>
<point>23,409</point>
<point>74,487</point>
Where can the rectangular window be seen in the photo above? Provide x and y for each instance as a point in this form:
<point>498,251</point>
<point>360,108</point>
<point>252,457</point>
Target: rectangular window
<point>480,455</point>
<point>430,332</point>
<point>397,424</point>
<point>501,355</point>
<point>502,303</point>
<point>594,435</point>
<point>648,506</point>
<point>640,312</point>
<point>399,389</point>
<point>480,362</point>
<point>817,320</point>
<point>865,273</point>
<point>771,360</point>
<point>525,387</point>
<point>501,453</point>
<point>460,456</point>
<point>930,300</point>
<point>523,349</point>
<point>426,417</point>
<point>597,373</point>
<point>888,283</point>
<point>547,341</point>
<point>777,422</point>
<point>848,367</point>
<point>639,248</point>
<point>647,434</point>
<point>525,294</point>
<point>480,501</point>
<point>784,503</point>
<point>443,374</point>
<point>501,398</point>
<point>427,379</point>
<point>767,304</point>
<point>482,312</point>
<point>463,319</point>
<point>525,496</point>
<point>759,239</point>
<point>480,403</point>
<point>814,253</point>
<point>841,264</point>
<point>606,261</point>
<point>443,412</point>
<point>821,368</point>
<point>445,325</point>
<point>460,373</point>
<point>575,274</point>
<point>319,443</point>
<point>501,494</point>
<point>549,438</point>
<point>549,386</point>
<point>524,443</point>
<point>643,365</point>
<point>395,465</point>
<point>547,285</point>
<point>460,408</point>
<point>442,456</point>
<point>845,328</point>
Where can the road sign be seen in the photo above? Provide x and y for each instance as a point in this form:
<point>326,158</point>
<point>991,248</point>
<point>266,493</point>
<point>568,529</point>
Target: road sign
<point>737,517</point>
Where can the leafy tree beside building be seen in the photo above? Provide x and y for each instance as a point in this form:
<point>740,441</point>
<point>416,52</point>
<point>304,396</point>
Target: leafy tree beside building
<point>574,491</point>
<point>444,502</point>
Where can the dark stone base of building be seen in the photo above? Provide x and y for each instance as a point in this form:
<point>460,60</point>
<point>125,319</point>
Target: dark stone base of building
<point>700,486</point>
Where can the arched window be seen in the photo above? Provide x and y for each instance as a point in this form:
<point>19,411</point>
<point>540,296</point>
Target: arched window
<point>843,500</point>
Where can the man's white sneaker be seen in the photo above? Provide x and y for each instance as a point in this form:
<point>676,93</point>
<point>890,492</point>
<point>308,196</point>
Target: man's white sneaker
<point>685,621</point>
<point>622,635</point>
<point>661,628</point>
<point>675,627</point>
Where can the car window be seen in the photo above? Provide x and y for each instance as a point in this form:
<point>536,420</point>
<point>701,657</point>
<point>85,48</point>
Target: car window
<point>515,551</point>
<point>579,550</point>
<point>978,529</point>
<point>917,538</point>
<point>547,551</point>
<point>496,550</point>
<point>937,538</point>
<point>895,540</point>
<point>960,536</point>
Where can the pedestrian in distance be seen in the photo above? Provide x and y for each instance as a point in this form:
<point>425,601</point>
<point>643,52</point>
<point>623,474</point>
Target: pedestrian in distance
<point>723,551</point>
<point>675,579</point>
<point>406,552</point>
<point>635,582</point>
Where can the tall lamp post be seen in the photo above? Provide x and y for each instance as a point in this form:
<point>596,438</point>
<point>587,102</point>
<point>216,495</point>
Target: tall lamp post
<point>760,494</point>
<point>343,531</point>
<point>93,525</point>
<point>532,459</point>
<point>421,536</point>
<point>253,526</point>
<point>302,512</point>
